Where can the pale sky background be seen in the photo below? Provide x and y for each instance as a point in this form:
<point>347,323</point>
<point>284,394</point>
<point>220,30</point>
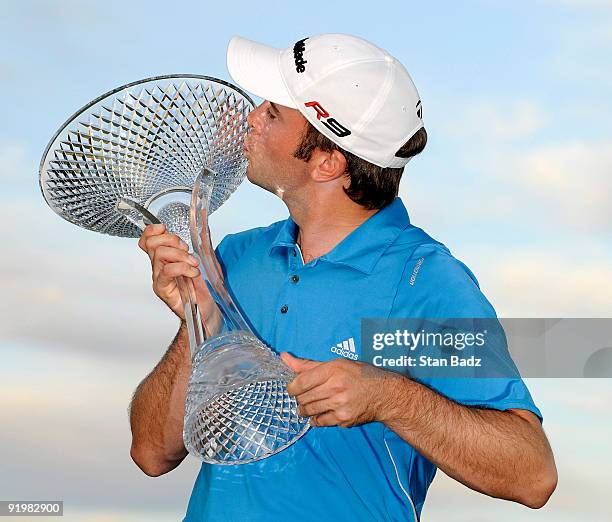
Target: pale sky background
<point>516,180</point>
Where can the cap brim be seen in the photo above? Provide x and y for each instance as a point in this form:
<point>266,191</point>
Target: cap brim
<point>256,68</point>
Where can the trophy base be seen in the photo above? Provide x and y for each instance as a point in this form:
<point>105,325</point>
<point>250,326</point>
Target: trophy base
<point>238,409</point>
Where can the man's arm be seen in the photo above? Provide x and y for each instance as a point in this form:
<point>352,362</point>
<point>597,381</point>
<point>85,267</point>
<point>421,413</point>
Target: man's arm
<point>158,408</point>
<point>500,453</point>
<point>504,454</point>
<point>158,405</point>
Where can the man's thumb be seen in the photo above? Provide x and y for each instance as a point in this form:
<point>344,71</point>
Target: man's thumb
<point>296,364</point>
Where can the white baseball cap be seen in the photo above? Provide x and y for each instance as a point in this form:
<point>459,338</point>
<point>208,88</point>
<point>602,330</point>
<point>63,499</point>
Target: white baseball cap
<point>353,92</point>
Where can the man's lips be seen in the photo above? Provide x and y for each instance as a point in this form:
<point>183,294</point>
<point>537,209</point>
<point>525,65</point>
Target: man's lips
<point>245,146</point>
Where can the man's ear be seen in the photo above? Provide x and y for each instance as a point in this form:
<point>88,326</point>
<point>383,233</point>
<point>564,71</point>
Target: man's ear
<point>327,166</point>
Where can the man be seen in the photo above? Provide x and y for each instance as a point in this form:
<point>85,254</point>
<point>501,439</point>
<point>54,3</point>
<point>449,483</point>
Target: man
<point>340,121</point>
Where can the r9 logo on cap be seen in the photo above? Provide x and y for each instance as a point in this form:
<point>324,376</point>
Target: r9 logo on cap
<point>331,123</point>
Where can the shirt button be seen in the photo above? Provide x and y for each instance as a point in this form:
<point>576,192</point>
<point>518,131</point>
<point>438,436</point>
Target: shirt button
<point>294,253</point>
<point>284,309</point>
<point>295,278</point>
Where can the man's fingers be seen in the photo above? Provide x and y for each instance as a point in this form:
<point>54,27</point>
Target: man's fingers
<point>166,239</point>
<point>165,254</point>
<point>309,379</point>
<point>168,254</point>
<point>174,270</point>
<point>324,419</point>
<point>154,242</point>
<point>316,394</point>
<point>315,408</point>
<point>150,230</point>
<point>154,229</point>
<point>170,259</point>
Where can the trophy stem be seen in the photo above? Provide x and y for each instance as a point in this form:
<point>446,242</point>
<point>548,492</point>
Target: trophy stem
<point>200,238</point>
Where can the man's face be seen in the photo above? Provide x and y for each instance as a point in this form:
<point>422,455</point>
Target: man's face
<point>275,131</point>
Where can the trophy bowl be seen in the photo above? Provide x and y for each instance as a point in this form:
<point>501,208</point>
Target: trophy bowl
<point>146,142</point>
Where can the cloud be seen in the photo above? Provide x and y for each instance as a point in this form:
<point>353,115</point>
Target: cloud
<point>69,438</point>
<point>576,496</point>
<point>494,121</point>
<point>572,426</point>
<point>75,290</point>
<point>570,182</point>
<point>541,282</point>
<point>507,173</point>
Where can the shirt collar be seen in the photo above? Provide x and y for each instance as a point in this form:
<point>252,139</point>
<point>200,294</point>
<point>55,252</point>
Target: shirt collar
<point>364,246</point>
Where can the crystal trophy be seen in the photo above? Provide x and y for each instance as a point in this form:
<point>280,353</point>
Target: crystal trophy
<point>169,149</point>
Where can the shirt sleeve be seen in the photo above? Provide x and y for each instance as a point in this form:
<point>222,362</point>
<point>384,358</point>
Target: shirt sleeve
<point>226,253</point>
<point>437,285</point>
<point>232,247</point>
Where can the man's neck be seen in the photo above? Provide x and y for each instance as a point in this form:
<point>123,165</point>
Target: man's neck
<point>322,227</point>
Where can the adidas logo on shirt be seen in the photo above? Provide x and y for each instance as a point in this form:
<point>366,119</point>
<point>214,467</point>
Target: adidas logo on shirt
<point>346,349</point>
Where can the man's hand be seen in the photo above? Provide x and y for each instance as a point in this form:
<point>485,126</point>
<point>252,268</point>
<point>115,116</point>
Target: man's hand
<point>339,392</point>
<point>170,258</point>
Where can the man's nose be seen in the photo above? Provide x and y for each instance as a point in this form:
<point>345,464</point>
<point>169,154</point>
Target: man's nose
<point>254,117</point>
<point>251,119</point>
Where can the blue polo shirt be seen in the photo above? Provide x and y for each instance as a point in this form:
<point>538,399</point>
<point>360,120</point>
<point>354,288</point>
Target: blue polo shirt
<point>385,268</point>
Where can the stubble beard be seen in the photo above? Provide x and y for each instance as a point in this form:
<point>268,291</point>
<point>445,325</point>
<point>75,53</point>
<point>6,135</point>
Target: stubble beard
<point>261,178</point>
<point>257,178</point>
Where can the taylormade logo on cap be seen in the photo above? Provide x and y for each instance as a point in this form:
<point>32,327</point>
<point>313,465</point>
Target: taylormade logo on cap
<point>298,56</point>
<point>353,92</point>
